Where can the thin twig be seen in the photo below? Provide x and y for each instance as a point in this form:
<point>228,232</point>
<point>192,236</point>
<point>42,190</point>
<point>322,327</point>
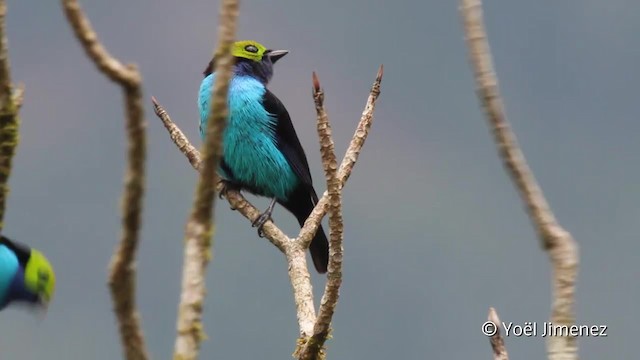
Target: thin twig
<point>560,245</point>
<point>178,137</point>
<point>314,346</point>
<point>200,228</point>
<point>122,268</point>
<point>497,342</point>
<point>9,119</point>
<point>348,162</point>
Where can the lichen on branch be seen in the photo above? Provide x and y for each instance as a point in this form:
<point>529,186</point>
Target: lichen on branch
<point>10,102</point>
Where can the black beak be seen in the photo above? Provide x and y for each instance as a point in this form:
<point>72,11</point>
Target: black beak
<point>276,55</point>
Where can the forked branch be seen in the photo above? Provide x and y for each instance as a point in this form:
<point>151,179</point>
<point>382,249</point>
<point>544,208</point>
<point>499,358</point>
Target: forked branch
<point>313,348</point>
<point>559,244</point>
<point>122,269</point>
<point>294,249</point>
<point>348,161</point>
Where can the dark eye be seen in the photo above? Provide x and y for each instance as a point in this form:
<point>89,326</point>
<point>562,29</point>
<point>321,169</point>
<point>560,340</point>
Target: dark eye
<point>251,48</point>
<point>43,278</point>
<point>43,275</point>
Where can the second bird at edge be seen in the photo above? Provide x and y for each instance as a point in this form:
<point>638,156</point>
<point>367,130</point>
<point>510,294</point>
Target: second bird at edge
<point>262,152</point>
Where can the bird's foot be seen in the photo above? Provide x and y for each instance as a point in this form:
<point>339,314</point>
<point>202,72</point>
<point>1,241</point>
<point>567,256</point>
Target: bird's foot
<point>263,218</point>
<point>226,187</point>
<point>260,221</point>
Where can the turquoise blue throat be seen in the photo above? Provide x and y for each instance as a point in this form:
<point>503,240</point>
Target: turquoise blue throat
<point>8,267</point>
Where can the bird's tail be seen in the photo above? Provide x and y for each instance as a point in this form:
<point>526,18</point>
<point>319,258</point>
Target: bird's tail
<point>319,247</point>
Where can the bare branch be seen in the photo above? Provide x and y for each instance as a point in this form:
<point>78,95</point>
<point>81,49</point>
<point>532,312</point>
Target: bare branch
<point>9,119</point>
<point>199,233</point>
<point>302,289</point>
<point>314,345</point>
<point>294,249</point>
<point>562,248</point>
<point>122,268</point>
<point>348,162</point>
<point>497,342</point>
<point>178,137</point>
<point>106,63</point>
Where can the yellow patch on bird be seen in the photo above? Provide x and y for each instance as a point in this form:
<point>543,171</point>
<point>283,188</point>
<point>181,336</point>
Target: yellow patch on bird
<point>248,49</point>
<point>39,276</point>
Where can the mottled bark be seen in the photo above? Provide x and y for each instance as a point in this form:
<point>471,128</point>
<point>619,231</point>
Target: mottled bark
<point>122,274</point>
<point>556,241</point>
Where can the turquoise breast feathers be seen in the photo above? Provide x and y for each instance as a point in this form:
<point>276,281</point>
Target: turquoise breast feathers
<point>8,268</point>
<point>249,143</point>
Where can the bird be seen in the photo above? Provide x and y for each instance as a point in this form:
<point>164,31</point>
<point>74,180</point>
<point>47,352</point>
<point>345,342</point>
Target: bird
<point>26,276</point>
<point>261,150</point>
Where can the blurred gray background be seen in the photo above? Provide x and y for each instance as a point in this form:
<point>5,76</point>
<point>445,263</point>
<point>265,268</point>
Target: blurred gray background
<point>435,233</point>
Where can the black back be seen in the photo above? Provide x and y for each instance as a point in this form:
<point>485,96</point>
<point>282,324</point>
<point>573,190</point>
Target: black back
<point>23,252</point>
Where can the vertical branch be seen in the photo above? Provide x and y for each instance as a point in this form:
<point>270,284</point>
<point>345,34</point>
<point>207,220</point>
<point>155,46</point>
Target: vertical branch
<point>560,245</point>
<point>122,269</point>
<point>9,120</point>
<point>497,342</point>
<point>302,290</point>
<point>199,229</point>
<point>314,346</point>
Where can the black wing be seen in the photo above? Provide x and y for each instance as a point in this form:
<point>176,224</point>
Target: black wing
<point>23,253</point>
<point>288,142</point>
